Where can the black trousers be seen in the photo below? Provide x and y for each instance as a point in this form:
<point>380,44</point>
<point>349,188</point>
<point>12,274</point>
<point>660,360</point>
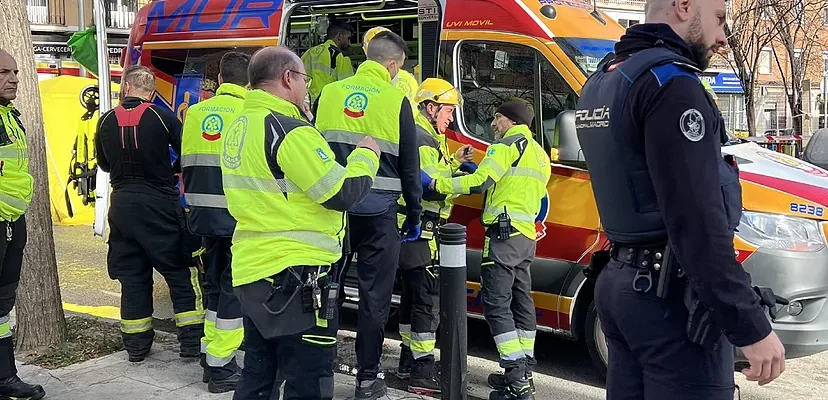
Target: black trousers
<point>146,232</point>
<point>11,258</point>
<point>223,329</point>
<point>649,354</point>
<point>420,300</point>
<point>376,242</point>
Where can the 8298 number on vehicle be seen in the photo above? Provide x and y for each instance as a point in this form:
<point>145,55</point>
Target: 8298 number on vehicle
<point>807,209</point>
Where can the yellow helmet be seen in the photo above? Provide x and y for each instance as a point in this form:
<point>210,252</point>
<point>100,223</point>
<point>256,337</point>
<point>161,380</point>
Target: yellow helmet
<point>438,91</point>
<point>369,34</point>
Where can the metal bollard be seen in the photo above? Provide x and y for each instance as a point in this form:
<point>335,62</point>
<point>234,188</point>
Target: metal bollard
<point>453,340</point>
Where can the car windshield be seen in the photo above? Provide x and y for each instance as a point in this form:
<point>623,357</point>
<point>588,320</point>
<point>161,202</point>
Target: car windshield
<point>586,53</point>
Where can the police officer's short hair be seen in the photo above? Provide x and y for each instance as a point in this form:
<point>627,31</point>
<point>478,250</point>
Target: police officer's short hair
<point>139,77</point>
<point>386,46</point>
<point>336,28</point>
<point>270,63</point>
<point>233,67</point>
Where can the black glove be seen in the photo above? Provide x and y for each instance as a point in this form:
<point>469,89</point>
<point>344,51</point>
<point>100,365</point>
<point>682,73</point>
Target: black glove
<point>770,300</point>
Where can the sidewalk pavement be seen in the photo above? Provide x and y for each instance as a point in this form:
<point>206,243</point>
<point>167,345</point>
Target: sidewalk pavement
<point>163,375</point>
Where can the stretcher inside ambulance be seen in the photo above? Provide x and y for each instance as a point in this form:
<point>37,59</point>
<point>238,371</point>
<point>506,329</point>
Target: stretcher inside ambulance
<point>494,50</point>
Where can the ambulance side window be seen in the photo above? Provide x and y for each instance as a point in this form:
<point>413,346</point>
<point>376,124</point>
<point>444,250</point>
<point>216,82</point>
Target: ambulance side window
<point>492,73</point>
<point>556,97</point>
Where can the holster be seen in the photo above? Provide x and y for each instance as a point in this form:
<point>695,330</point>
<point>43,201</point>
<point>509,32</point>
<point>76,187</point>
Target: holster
<point>701,328</point>
<point>599,260</point>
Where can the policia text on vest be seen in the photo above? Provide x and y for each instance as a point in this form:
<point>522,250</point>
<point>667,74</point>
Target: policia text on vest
<point>288,194</point>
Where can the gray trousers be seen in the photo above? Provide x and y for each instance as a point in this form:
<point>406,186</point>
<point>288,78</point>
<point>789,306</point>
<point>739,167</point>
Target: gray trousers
<point>507,302</point>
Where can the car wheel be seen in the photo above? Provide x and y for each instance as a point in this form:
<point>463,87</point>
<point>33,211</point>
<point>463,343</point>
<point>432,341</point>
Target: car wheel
<point>595,340</point>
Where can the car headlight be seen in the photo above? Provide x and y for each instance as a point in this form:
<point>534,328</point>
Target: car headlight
<point>780,232</point>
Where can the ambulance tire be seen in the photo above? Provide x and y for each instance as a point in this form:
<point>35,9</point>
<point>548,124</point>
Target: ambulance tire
<point>595,340</point>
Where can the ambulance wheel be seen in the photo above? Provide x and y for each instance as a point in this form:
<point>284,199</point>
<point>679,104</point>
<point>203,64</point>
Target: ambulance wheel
<point>595,340</point>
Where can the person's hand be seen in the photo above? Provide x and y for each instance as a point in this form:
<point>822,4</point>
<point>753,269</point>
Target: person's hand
<point>410,232</point>
<point>465,153</point>
<point>369,143</point>
<point>307,111</point>
<point>426,181</point>
<point>767,359</point>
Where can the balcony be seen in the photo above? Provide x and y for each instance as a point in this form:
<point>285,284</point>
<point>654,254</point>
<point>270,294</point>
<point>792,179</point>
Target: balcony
<point>46,12</point>
<point>121,13</point>
<point>633,5</point>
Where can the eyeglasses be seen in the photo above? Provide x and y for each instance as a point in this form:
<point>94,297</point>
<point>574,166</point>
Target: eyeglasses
<point>305,76</point>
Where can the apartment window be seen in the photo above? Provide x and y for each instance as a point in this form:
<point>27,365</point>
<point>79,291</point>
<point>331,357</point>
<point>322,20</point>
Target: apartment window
<point>825,63</point>
<point>825,17</point>
<point>626,23</point>
<point>765,61</point>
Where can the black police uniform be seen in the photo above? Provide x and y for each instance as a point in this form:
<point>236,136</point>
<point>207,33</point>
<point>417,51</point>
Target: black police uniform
<point>147,223</point>
<point>652,139</point>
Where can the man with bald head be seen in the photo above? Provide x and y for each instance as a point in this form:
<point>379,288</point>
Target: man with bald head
<point>288,196</point>
<point>368,105</point>
<point>672,298</point>
<point>15,195</point>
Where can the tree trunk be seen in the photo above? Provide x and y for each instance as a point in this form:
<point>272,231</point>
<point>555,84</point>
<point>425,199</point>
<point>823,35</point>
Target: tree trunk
<point>40,320</point>
<point>750,111</point>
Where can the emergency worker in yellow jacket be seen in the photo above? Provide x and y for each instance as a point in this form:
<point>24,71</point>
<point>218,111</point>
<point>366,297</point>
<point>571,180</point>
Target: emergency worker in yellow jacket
<point>203,135</point>
<point>16,185</point>
<point>404,80</point>
<point>367,105</point>
<point>420,300</point>
<point>327,62</point>
<point>288,195</point>
<point>513,176</point>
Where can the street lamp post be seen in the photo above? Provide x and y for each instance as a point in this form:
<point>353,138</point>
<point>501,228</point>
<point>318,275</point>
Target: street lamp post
<point>105,104</point>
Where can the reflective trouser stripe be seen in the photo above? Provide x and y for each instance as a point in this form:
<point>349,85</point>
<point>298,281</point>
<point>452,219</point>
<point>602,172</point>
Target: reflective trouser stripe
<point>384,183</point>
<point>199,296</point>
<point>352,138</point>
<point>5,327</point>
<point>209,330</point>
<point>228,337</point>
<point>527,342</point>
<point>508,346</point>
<point>188,318</point>
<point>422,344</point>
<point>136,325</point>
<point>405,333</point>
<point>311,238</point>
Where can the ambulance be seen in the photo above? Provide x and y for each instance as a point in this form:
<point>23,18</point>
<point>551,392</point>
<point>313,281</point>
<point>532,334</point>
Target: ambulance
<point>494,50</point>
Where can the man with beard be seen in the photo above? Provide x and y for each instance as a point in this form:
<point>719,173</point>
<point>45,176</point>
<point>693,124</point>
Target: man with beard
<point>326,62</point>
<point>672,298</point>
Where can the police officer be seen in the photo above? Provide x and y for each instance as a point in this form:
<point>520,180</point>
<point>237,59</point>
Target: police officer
<point>420,299</point>
<point>367,105</point>
<point>671,309</point>
<point>201,146</point>
<point>15,195</point>
<point>132,144</point>
<point>326,62</point>
<point>288,196</point>
<point>404,81</point>
<point>513,176</point>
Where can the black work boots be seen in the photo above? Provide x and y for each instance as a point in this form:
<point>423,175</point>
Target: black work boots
<point>406,362</point>
<point>14,388</point>
<point>424,377</point>
<point>370,390</point>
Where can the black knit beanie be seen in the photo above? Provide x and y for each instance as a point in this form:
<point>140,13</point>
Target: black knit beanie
<point>517,110</point>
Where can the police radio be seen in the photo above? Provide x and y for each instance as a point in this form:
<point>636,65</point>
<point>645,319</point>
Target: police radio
<point>504,225</point>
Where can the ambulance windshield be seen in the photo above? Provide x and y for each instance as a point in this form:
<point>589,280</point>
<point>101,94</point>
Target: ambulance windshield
<point>586,53</point>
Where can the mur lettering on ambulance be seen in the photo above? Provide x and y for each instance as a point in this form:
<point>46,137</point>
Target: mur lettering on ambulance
<point>191,16</point>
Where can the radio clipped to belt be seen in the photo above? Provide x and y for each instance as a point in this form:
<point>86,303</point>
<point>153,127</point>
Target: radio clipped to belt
<point>430,221</point>
<point>504,225</point>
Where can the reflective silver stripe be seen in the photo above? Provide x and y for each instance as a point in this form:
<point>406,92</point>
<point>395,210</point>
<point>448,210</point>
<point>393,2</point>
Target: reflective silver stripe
<point>14,202</point>
<point>429,206</point>
<point>206,200</point>
<point>7,334</point>
<point>259,184</point>
<point>431,170</point>
<point>383,183</point>
<point>456,186</point>
<point>528,173</point>
<point>182,321</point>
<point>311,238</point>
<point>200,160</point>
<point>352,138</point>
<point>405,328</point>
<point>491,163</point>
<point>419,340</point>
<point>203,346</point>
<point>214,361</point>
<point>423,337</point>
<point>371,164</point>
<point>6,318</point>
<point>326,183</point>
<point>526,334</point>
<point>316,65</point>
<point>229,324</point>
<point>210,315</point>
<point>508,337</point>
<point>13,152</point>
<point>515,216</point>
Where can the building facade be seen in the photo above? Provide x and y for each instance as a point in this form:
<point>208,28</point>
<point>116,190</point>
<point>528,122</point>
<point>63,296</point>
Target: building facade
<point>53,22</point>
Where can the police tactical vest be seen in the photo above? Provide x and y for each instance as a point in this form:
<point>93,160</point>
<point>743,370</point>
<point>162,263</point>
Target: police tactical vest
<point>364,105</point>
<point>16,190</point>
<point>201,146</point>
<point>620,179</point>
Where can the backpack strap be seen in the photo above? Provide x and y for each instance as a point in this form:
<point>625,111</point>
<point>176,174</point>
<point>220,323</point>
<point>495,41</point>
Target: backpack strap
<point>131,117</point>
<point>641,62</point>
